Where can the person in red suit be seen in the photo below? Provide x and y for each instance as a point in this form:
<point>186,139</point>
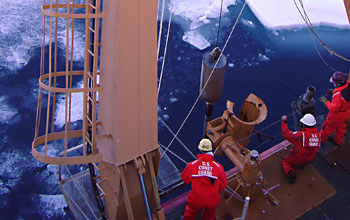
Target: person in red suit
<point>306,144</point>
<point>208,179</point>
<point>339,110</point>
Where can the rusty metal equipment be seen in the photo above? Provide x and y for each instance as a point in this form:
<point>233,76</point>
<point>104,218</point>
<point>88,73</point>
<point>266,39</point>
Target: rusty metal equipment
<point>212,75</point>
<point>231,135</point>
<point>122,150</point>
<point>305,104</point>
<point>212,80</point>
<point>310,190</point>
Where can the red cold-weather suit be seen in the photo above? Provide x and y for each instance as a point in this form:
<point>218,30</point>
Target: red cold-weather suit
<point>306,144</point>
<point>339,113</point>
<point>204,194</point>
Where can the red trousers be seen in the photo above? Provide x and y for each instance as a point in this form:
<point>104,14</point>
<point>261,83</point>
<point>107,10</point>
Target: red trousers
<point>290,160</point>
<point>328,127</point>
<point>193,208</point>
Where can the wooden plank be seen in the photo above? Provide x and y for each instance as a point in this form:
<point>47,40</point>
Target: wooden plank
<point>309,190</point>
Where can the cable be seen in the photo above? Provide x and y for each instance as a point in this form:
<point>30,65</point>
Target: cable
<point>182,160</point>
<point>309,25</point>
<point>259,131</point>
<point>314,43</point>
<point>165,49</point>
<point>195,103</point>
<point>217,38</point>
<point>177,138</point>
<point>272,124</point>
<point>160,28</point>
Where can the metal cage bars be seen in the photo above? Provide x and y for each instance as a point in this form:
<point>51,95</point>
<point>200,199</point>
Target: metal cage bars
<point>51,80</point>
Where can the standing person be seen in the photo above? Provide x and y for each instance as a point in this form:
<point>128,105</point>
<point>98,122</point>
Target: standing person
<point>306,144</point>
<point>339,109</point>
<point>208,179</point>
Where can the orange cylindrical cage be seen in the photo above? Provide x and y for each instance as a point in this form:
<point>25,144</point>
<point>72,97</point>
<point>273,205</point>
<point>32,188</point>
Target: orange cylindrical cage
<point>65,86</point>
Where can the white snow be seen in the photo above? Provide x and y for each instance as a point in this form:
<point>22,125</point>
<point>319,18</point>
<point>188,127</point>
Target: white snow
<point>173,99</point>
<point>273,14</point>
<point>196,39</point>
<point>52,206</point>
<point>20,33</point>
<point>7,112</point>
<point>194,15</point>
<point>279,14</point>
<point>248,23</point>
<point>197,11</point>
<point>262,57</point>
<point>166,117</point>
<point>76,110</point>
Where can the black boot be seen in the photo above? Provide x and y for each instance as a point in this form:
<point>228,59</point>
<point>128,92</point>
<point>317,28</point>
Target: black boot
<point>291,177</point>
<point>331,139</point>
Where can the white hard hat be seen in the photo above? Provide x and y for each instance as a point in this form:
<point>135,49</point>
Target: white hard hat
<point>205,145</point>
<point>308,120</point>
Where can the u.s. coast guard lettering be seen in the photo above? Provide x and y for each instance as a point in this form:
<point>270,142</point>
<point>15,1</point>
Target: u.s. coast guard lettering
<point>205,169</point>
<point>314,141</point>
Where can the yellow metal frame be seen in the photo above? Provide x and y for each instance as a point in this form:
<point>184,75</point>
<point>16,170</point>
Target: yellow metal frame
<point>48,86</point>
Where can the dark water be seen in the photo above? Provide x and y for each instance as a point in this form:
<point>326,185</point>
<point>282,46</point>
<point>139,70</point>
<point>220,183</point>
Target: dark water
<point>292,65</point>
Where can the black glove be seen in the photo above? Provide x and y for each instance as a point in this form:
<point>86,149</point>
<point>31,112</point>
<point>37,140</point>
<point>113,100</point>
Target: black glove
<point>329,93</point>
<point>324,100</point>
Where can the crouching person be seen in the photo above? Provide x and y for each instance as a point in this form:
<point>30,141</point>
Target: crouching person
<point>306,144</point>
<point>208,179</point>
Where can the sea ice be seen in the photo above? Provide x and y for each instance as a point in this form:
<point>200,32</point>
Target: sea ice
<point>196,39</point>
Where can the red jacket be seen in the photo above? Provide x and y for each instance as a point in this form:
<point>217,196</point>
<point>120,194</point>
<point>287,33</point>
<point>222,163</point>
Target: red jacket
<point>339,108</point>
<point>198,173</point>
<point>306,142</point>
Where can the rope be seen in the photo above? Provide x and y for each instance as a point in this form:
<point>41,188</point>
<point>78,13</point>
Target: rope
<point>182,160</point>
<point>259,131</point>
<point>217,39</point>
<point>195,103</point>
<point>160,28</point>
<point>241,140</point>
<point>157,8</point>
<point>177,138</point>
<point>309,25</point>
<point>319,54</point>
<point>314,43</point>
<point>270,125</point>
<point>165,49</point>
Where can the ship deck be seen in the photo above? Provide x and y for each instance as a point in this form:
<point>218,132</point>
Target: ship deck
<point>322,189</point>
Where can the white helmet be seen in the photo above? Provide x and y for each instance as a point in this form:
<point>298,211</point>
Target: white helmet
<point>205,145</point>
<point>308,120</point>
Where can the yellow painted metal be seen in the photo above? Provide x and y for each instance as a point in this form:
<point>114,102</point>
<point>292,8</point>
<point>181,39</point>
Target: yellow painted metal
<point>49,87</point>
<point>347,7</point>
<point>123,132</point>
<point>231,135</point>
<point>128,101</point>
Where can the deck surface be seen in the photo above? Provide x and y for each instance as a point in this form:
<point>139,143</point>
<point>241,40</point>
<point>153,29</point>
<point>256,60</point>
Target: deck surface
<point>335,207</point>
<point>309,190</point>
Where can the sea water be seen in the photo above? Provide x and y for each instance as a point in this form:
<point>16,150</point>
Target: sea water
<point>277,66</point>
